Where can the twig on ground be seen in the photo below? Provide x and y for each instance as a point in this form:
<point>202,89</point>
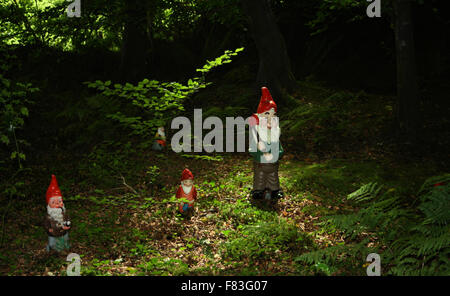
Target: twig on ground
<point>128,186</point>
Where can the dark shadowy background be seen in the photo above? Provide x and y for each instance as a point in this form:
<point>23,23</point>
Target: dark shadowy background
<point>362,102</point>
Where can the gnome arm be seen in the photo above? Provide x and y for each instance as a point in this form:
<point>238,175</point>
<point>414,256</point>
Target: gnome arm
<point>47,223</point>
<point>258,154</point>
<point>280,150</point>
<point>159,137</point>
<point>178,195</point>
<point>253,149</point>
<point>67,217</point>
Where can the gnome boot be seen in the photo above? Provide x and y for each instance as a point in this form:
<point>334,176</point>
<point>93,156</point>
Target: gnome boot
<point>277,194</point>
<point>257,194</point>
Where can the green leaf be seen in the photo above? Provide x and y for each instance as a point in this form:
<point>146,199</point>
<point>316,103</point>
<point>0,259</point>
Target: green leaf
<point>4,139</point>
<point>24,111</point>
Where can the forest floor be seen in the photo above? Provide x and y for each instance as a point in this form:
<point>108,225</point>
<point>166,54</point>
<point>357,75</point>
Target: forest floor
<point>120,196</point>
<point>134,229</point>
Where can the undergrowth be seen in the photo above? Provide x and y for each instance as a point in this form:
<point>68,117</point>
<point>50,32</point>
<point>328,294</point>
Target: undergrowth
<point>413,238</point>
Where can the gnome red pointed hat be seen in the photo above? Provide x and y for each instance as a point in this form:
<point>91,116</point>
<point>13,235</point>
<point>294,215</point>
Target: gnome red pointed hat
<point>187,175</point>
<point>266,103</point>
<point>53,190</point>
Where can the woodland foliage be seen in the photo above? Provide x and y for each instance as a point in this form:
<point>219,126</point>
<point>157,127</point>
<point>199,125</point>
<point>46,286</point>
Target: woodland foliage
<point>413,237</point>
<point>66,109</point>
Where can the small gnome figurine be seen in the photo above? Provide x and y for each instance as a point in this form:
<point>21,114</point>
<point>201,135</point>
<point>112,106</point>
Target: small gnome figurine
<point>57,223</point>
<point>187,191</point>
<point>265,131</point>
<point>160,140</point>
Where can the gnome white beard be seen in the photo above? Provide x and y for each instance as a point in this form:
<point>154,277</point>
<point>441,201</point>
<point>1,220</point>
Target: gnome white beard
<point>56,213</point>
<point>263,131</point>
<point>186,189</point>
<point>161,133</point>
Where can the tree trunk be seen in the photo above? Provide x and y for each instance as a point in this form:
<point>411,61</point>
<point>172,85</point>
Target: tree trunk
<point>274,66</point>
<point>136,44</point>
<point>407,83</point>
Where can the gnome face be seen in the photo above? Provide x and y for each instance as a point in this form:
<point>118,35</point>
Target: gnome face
<point>55,209</point>
<point>161,132</point>
<point>268,128</point>
<point>268,118</point>
<point>56,202</point>
<point>187,181</point>
<point>187,185</point>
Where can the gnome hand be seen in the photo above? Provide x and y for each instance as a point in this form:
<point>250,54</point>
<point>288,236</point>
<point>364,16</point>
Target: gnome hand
<point>50,230</point>
<point>268,156</point>
<point>66,227</point>
<point>261,146</point>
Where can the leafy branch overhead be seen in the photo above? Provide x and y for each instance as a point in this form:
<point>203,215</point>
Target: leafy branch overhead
<point>158,101</point>
<point>15,99</point>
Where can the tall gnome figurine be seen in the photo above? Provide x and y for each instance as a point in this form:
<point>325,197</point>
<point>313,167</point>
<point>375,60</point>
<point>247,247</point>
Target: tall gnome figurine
<point>160,140</point>
<point>187,191</point>
<point>57,223</point>
<point>266,149</point>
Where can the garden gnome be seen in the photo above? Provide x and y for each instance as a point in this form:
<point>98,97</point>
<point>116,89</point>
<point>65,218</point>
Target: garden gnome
<point>56,222</point>
<point>267,149</point>
<point>160,140</point>
<point>187,191</point>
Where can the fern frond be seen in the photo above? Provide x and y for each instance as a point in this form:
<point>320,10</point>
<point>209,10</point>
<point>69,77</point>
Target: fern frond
<point>430,183</point>
<point>365,192</point>
<point>436,205</point>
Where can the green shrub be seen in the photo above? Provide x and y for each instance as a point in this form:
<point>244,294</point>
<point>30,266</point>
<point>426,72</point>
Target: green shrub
<point>411,240</point>
<point>243,213</point>
<point>15,99</point>
<point>163,266</point>
<point>265,240</point>
<point>334,121</point>
<point>156,102</point>
<point>107,162</point>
